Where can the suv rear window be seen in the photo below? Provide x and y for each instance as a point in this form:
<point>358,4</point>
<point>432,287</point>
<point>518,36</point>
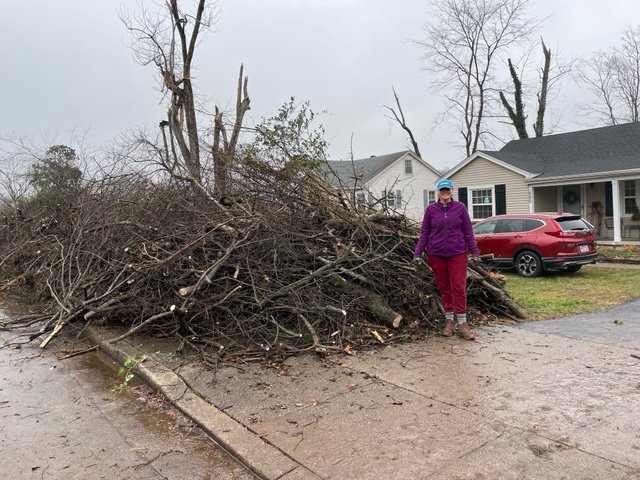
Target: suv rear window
<point>569,224</point>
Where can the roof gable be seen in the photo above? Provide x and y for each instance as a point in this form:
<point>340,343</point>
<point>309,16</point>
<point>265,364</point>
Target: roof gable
<point>520,168</point>
<point>364,170</point>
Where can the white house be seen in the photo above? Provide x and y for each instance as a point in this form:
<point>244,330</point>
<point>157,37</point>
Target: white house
<point>398,182</point>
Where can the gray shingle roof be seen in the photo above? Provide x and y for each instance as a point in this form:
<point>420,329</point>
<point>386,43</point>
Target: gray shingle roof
<point>363,169</point>
<point>595,150</point>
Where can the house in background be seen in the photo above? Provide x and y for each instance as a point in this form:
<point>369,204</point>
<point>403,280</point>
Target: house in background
<point>398,182</point>
<point>595,173</point>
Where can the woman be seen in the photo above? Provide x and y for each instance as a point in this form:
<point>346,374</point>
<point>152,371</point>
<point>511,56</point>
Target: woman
<point>447,238</point>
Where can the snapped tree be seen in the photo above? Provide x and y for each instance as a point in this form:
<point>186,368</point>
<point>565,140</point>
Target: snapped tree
<point>549,77</point>
<point>399,117</point>
<point>167,39</point>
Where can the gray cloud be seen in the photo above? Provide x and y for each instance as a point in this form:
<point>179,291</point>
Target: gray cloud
<point>66,65</point>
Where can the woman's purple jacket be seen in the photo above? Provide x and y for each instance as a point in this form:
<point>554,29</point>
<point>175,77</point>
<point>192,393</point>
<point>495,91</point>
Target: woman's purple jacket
<point>446,231</point>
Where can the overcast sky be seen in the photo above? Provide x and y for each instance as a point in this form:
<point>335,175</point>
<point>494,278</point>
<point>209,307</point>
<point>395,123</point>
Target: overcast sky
<point>66,66</point>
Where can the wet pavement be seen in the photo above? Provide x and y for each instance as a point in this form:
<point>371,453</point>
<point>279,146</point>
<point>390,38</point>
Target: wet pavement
<point>547,400</point>
<point>60,419</point>
<point>558,403</point>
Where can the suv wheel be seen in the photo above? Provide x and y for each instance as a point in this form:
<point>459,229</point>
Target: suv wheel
<point>528,264</point>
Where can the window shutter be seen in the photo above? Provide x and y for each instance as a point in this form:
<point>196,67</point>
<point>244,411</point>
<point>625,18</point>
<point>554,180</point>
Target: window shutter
<point>608,200</point>
<point>501,199</point>
<point>398,198</point>
<point>462,196</point>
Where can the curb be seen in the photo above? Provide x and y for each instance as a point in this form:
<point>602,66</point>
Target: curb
<point>264,460</point>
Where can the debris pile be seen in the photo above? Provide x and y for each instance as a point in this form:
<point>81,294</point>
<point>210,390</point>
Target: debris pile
<point>285,265</point>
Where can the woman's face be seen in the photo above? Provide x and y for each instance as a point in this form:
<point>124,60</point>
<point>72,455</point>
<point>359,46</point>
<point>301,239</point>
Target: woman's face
<point>445,195</point>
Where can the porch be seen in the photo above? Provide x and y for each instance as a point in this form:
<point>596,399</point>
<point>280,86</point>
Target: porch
<point>610,205</point>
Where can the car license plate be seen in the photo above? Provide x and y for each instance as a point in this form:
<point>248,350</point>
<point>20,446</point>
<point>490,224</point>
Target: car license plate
<point>584,248</point>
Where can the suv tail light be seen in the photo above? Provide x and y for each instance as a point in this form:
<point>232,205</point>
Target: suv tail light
<point>562,234</point>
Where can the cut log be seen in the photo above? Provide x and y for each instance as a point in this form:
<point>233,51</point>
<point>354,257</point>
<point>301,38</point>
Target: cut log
<point>373,302</point>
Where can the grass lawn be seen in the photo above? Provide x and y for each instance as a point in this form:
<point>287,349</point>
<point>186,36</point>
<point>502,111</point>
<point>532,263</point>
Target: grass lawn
<point>558,295</point>
<point>619,251</point>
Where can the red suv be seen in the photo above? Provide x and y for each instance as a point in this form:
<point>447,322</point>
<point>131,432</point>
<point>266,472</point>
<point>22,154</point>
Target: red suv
<point>535,242</point>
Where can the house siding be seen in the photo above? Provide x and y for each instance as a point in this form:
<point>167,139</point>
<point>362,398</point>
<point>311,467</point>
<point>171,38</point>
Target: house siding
<point>411,185</point>
<point>483,173</point>
<point>546,199</point>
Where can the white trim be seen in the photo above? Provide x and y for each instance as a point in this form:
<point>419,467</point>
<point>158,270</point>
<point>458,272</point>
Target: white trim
<point>630,174</point>
<point>470,200</point>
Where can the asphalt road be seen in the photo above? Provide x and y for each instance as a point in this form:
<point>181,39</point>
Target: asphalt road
<point>617,326</point>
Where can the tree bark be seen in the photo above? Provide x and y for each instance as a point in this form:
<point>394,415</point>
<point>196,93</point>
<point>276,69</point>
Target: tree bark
<point>224,147</point>
<point>517,116</point>
<point>538,127</point>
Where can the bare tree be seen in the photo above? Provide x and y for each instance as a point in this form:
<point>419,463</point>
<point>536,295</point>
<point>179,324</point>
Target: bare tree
<point>167,39</point>
<point>399,117</point>
<point>462,44</point>
<point>613,77</point>
<point>14,190</point>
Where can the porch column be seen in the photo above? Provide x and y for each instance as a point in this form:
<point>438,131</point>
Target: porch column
<point>532,200</point>
<point>615,193</point>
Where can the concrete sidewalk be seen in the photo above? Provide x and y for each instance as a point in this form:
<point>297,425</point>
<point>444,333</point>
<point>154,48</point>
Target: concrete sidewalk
<point>514,404</point>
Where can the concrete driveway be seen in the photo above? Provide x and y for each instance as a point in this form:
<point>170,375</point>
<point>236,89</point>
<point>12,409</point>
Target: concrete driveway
<point>548,400</point>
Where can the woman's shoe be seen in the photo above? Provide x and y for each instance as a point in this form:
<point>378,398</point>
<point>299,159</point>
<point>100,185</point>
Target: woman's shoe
<point>464,330</point>
<point>447,331</point>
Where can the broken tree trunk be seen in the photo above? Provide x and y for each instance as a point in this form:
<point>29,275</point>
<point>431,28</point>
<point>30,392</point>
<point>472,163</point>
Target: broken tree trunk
<point>374,303</point>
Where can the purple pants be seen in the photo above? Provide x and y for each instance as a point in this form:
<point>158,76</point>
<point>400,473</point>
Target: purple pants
<point>451,277</point>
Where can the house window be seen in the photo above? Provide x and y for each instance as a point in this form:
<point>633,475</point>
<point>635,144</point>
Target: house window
<point>629,197</point>
<point>394,199</point>
<point>408,166</point>
<point>428,197</point>
<point>482,203</point>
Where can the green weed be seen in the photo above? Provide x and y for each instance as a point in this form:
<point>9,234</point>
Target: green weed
<point>125,371</point>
